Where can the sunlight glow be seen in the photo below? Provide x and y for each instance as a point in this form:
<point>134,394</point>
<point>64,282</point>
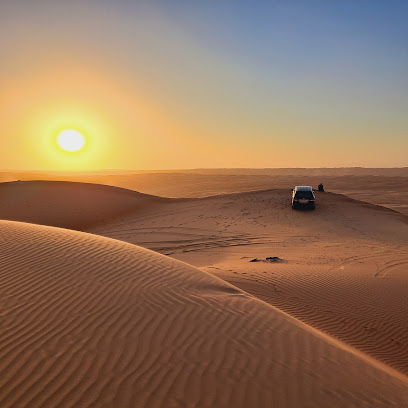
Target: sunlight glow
<point>71,140</point>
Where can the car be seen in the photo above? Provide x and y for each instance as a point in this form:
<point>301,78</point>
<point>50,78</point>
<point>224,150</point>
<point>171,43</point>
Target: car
<point>303,197</point>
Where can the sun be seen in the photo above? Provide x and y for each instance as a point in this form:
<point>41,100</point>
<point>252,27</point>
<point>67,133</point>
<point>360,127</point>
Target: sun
<point>71,140</point>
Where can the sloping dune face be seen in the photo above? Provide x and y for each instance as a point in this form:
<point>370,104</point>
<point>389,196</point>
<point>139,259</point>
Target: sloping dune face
<point>91,322</point>
<point>68,205</point>
<point>343,270</point>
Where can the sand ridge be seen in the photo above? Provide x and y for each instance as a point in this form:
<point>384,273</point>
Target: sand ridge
<point>68,204</point>
<point>387,187</point>
<point>89,322</point>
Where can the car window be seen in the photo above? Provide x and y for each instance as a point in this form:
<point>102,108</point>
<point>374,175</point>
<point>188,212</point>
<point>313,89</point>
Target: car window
<point>304,194</point>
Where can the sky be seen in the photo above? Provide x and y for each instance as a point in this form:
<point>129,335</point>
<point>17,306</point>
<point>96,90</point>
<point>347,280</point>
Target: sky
<point>200,84</point>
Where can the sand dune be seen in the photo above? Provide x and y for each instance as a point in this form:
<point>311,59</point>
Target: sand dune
<point>68,205</point>
<point>345,263</point>
<point>386,187</point>
<point>92,322</point>
<point>343,272</point>
<point>352,250</point>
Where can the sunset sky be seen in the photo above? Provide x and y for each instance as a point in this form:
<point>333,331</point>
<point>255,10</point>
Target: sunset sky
<point>191,84</point>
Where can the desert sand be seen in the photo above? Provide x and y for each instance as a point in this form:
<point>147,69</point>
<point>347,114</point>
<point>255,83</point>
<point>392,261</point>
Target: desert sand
<point>387,187</point>
<point>343,270</point>
<point>91,321</point>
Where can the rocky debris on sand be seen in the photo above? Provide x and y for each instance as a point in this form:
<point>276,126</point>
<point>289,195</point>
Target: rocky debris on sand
<point>273,259</point>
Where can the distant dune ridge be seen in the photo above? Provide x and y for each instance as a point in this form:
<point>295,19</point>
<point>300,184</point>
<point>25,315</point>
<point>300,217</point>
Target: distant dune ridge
<point>92,322</point>
<point>385,186</point>
<point>9,175</point>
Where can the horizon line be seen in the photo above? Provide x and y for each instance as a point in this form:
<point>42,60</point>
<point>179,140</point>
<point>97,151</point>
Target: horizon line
<point>198,168</point>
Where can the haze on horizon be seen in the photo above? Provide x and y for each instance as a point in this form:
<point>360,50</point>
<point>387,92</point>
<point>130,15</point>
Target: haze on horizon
<point>170,85</point>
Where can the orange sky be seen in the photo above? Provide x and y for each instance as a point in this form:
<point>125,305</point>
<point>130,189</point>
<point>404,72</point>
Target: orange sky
<point>154,86</point>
